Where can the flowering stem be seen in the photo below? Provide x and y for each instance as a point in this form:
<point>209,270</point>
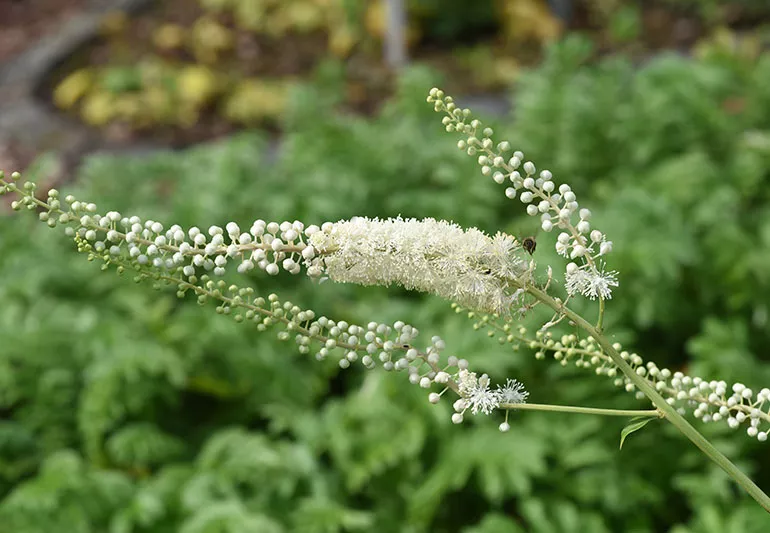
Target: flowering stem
<point>668,411</point>
<point>600,322</point>
<point>199,290</point>
<point>581,410</point>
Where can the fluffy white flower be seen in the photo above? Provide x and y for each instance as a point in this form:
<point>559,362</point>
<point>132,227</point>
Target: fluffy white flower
<point>591,283</point>
<point>600,285</point>
<point>476,393</point>
<point>465,266</point>
<point>512,392</point>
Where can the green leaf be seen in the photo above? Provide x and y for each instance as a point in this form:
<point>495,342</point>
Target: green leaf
<point>636,424</point>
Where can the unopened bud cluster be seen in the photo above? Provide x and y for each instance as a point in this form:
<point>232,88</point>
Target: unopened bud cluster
<point>392,346</point>
<point>709,401</point>
<point>269,246</point>
<point>557,207</point>
<point>714,401</point>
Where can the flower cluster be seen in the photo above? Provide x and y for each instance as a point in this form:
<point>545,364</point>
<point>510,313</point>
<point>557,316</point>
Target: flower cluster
<point>427,255</point>
<point>393,346</point>
<point>464,266</point>
<point>713,401</point>
<point>476,395</point>
<point>269,246</point>
<point>557,207</point>
<point>709,401</point>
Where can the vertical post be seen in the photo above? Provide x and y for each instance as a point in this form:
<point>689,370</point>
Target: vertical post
<point>395,34</point>
<point>563,10</point>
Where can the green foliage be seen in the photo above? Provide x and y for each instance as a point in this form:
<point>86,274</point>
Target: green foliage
<point>66,493</point>
<point>625,24</point>
<point>142,445</point>
<point>455,20</point>
<point>713,11</point>
<point>635,425</point>
<point>672,144</point>
<point>129,411</point>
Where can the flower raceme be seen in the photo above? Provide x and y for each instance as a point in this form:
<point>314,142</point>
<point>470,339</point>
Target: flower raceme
<point>467,266</point>
<point>484,274</point>
<point>427,255</point>
<point>556,206</point>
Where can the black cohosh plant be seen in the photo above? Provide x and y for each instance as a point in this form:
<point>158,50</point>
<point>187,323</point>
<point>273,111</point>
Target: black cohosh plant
<point>494,279</point>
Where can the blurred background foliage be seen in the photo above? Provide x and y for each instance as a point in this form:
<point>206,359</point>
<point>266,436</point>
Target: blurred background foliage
<point>126,410</point>
<point>229,63</point>
<point>195,69</point>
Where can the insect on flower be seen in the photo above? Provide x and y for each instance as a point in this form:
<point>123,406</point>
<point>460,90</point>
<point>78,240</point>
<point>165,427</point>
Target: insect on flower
<point>529,244</point>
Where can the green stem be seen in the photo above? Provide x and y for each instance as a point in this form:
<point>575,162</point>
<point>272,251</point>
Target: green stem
<point>668,411</point>
<point>580,410</point>
<point>600,322</point>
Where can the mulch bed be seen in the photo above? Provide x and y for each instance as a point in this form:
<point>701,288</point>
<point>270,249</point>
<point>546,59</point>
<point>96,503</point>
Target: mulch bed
<point>369,82</point>
<point>23,22</point>
<point>292,56</point>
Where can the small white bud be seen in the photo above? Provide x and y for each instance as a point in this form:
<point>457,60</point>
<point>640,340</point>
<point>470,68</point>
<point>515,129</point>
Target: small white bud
<point>308,253</point>
<point>578,251</point>
<point>529,167</point>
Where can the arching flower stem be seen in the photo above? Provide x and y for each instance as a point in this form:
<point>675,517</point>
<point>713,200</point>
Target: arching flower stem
<point>669,412</point>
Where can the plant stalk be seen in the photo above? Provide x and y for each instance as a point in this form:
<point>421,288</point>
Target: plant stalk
<point>668,411</point>
<point>580,410</point>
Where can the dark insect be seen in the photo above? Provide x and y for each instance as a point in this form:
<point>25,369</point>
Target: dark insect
<point>529,244</point>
